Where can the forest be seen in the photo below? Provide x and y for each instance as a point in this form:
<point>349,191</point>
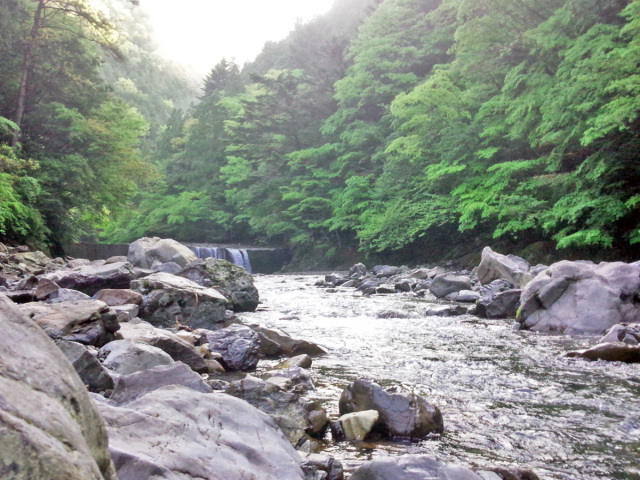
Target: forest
<point>411,129</point>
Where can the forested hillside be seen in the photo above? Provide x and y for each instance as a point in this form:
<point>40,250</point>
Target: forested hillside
<point>414,127</point>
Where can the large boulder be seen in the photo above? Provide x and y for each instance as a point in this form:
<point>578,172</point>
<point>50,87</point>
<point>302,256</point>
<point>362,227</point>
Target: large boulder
<point>91,279</point>
<point>276,342</point>
<point>581,297</point>
<point>495,266</point>
<point>177,433</point>
<point>447,283</point>
<point>233,281</point>
<point>401,415</point>
<point>168,300</point>
<point>49,428</point>
<point>90,322</point>
<point>500,305</point>
<point>92,373</point>
<point>238,345</point>
<point>412,467</point>
<point>177,348</point>
<point>144,251</point>
<point>129,356</point>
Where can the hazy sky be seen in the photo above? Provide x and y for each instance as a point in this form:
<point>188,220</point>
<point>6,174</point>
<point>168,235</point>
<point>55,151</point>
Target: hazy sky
<point>198,33</point>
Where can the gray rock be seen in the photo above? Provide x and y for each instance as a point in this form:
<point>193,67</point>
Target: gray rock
<point>144,251</point>
<point>401,415</point>
<point>358,270</point>
<point>169,299</point>
<point>445,311</point>
<point>384,271</point>
<point>494,266</point>
<point>610,352</point>
<point>178,349</point>
<point>581,297</point>
<point>411,467</point>
<point>176,433</point>
<point>238,345</point>
<point>169,267</point>
<point>302,361</point>
<point>50,428</point>
<point>129,356</point>
<point>463,296</point>
<point>117,297</point>
<point>66,295</point>
<point>288,346</point>
<point>91,279</point>
<point>233,281</point>
<point>443,285</point>
<point>92,373</point>
<point>90,322</point>
<point>134,385</point>
<point>298,378</point>
<point>324,463</point>
<point>357,425</point>
<point>386,289</point>
<point>500,305</point>
<point>126,313</point>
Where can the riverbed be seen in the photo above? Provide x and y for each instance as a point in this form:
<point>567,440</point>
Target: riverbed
<point>508,398</point>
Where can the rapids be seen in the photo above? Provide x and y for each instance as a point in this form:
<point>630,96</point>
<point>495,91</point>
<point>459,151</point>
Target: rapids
<point>508,398</point>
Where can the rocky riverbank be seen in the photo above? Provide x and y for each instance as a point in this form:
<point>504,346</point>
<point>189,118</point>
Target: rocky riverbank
<point>171,369</point>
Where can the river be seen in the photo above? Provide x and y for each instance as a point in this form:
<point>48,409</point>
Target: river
<point>508,398</point>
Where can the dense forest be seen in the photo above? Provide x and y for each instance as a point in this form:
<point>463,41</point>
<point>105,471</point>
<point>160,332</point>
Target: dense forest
<point>414,128</point>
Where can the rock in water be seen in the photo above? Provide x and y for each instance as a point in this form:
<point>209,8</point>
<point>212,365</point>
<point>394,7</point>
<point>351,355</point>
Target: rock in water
<point>49,428</point>
<point>495,266</point>
<point>178,433</point>
<point>581,297</point>
<point>400,415</point>
<point>411,467</point>
<point>443,285</point>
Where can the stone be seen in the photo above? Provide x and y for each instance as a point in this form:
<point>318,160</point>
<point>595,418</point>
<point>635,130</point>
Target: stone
<point>384,271</point>
<point>445,311</point>
<point>401,415</point>
<point>385,289</point>
<point>298,378</point>
<point>169,300</point>
<point>289,346</point>
<point>129,356</point>
<point>238,345</point>
<point>91,279</point>
<point>135,385</point>
<point>117,297</point>
<point>66,295</point>
<point>45,289</point>
<point>357,425</point>
<point>90,322</point>
<point>302,361</point>
<point>177,348</point>
<point>610,352</point>
<point>126,313</point>
<point>463,296</point>
<point>50,428</point>
<point>494,266</point>
<point>581,297</point>
<point>92,373</point>
<point>144,251</point>
<point>411,467</point>
<point>178,433</point>
<point>443,285</point>
<point>169,267</point>
<point>233,281</point>
<point>324,463</point>
<point>358,270</point>
<point>500,305</point>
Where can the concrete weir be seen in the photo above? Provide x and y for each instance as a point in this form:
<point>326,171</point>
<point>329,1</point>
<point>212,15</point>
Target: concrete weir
<point>258,259</point>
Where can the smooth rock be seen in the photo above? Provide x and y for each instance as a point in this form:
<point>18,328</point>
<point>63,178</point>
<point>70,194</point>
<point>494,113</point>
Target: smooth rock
<point>494,266</point>
<point>443,285</point>
<point>302,361</point>
<point>411,467</point>
<point>610,352</point>
<point>445,311</point>
<point>49,428</point>
<point>117,297</point>
<point>289,346</point>
<point>130,356</point>
<point>144,251</point>
<point>357,425</point>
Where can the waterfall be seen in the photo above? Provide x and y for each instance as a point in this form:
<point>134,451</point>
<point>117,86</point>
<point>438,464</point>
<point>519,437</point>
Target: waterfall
<point>238,256</point>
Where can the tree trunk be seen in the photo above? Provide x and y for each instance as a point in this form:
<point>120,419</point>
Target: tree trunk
<point>27,60</point>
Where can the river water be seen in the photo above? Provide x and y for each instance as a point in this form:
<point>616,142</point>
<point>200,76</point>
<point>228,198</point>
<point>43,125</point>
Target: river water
<point>508,398</point>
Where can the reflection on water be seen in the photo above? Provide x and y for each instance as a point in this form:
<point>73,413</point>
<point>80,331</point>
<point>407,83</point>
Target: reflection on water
<point>508,398</point>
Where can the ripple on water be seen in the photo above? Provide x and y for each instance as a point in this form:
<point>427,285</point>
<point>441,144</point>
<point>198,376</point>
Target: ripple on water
<point>508,398</point>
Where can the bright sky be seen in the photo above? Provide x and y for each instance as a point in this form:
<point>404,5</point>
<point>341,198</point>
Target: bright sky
<point>199,33</point>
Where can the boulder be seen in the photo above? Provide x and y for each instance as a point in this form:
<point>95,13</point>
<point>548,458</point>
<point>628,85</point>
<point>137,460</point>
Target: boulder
<point>355,425</point>
<point>178,349</point>
<point>445,311</point>
<point>168,300</point>
<point>610,352</point>
<point>358,270</point>
<point>581,297</point>
<point>314,462</point>
<point>286,345</point>
<point>144,251</point>
<point>176,433</point>
<point>233,281</point>
<point>500,305</point>
<point>92,373</point>
<point>49,428</point>
<point>511,268</point>
<point>411,467</point>
<point>238,345</point>
<point>117,297</point>
<point>91,279</point>
<point>463,296</point>
<point>128,356</point>
<point>297,378</point>
<point>302,361</point>
<point>288,410</point>
<point>169,267</point>
<point>384,271</point>
<point>90,322</point>
<point>66,295</point>
<point>443,285</point>
<point>401,415</point>
<point>134,385</point>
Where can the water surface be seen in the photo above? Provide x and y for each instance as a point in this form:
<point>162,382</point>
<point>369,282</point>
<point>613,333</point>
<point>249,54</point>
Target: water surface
<point>508,398</point>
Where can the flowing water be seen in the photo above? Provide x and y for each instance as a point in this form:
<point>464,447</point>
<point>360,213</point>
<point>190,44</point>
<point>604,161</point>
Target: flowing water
<point>508,398</point>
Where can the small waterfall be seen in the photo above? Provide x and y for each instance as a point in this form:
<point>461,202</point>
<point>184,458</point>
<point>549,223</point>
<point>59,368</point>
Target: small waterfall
<point>238,256</point>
